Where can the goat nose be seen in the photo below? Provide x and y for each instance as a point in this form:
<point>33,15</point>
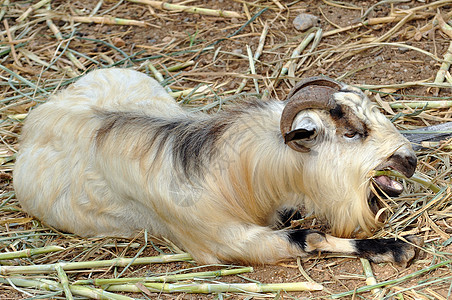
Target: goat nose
<point>412,161</point>
<point>404,162</point>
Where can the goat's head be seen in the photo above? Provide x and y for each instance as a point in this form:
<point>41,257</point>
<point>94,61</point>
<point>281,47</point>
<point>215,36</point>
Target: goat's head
<point>341,137</point>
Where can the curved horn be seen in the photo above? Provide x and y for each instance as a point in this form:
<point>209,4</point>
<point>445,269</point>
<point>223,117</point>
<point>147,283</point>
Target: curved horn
<point>313,92</point>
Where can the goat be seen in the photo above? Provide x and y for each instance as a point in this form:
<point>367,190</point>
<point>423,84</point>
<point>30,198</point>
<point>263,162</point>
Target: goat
<point>114,154</point>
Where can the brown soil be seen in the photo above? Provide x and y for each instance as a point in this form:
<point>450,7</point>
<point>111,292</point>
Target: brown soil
<point>178,37</point>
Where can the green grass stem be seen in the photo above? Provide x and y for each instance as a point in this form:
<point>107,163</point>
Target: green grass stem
<point>30,252</point>
<point>207,288</point>
<point>117,262</point>
<point>422,104</point>
<point>180,66</point>
<point>166,278</point>
<point>391,282</point>
<point>22,79</point>
<point>64,281</point>
<point>50,285</point>
<point>414,178</point>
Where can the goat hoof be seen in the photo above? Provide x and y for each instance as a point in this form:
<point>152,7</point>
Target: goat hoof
<point>408,252</point>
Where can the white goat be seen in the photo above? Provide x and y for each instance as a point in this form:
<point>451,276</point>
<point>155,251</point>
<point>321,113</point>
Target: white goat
<point>114,154</point>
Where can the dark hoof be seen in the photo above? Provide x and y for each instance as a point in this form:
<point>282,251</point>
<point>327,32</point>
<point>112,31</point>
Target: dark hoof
<point>390,250</point>
<point>409,251</point>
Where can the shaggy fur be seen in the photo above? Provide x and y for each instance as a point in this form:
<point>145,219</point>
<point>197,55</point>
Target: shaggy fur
<point>114,154</point>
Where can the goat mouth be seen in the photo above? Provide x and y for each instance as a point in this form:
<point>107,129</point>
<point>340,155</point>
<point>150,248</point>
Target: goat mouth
<point>383,187</point>
<point>388,185</point>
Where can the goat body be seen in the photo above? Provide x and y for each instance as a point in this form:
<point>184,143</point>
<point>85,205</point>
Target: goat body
<point>114,154</point>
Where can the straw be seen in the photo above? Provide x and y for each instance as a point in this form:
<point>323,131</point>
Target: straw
<point>105,20</point>
<point>31,9</point>
<point>189,9</point>
<point>211,57</point>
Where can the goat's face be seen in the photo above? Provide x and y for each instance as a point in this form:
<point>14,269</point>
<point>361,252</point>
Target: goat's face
<point>342,141</point>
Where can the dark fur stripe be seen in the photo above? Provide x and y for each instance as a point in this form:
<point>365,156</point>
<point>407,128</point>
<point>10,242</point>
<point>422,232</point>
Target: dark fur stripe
<point>195,143</point>
<point>193,140</point>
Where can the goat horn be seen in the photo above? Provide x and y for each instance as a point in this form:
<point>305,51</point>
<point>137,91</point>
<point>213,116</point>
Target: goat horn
<point>313,92</point>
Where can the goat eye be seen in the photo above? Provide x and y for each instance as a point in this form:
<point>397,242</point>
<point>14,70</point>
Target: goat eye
<point>351,135</point>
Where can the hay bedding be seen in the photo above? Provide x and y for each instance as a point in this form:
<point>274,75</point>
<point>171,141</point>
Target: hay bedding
<point>395,50</point>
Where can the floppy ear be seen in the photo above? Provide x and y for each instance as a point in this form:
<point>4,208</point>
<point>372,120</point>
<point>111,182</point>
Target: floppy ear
<point>298,134</point>
<point>302,135</point>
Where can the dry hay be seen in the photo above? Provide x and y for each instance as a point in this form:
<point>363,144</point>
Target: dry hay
<point>398,51</point>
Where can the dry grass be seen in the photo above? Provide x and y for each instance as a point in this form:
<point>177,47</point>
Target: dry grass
<point>396,52</point>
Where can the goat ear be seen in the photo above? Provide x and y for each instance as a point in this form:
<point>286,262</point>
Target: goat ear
<point>302,135</point>
<point>298,134</point>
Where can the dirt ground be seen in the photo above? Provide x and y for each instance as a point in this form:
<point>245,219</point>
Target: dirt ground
<point>394,60</point>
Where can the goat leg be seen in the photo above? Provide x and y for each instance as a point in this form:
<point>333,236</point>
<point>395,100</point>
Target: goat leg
<point>376,250</point>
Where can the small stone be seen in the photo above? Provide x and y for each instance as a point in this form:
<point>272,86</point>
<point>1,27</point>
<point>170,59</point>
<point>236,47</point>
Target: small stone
<point>379,58</point>
<point>237,51</point>
<point>303,22</point>
<point>403,49</point>
<point>166,39</point>
<point>118,42</point>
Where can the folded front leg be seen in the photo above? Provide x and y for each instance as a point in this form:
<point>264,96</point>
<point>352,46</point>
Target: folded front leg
<point>376,250</point>
<point>257,244</point>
